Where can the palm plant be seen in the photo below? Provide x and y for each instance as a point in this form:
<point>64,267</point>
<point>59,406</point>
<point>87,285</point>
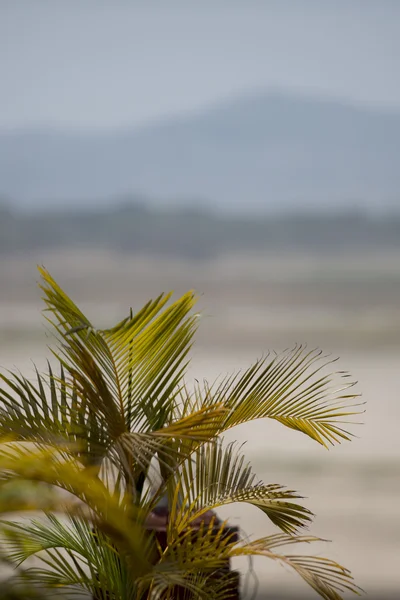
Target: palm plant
<point>115,426</point>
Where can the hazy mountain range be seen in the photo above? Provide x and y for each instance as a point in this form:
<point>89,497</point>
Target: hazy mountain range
<point>259,151</point>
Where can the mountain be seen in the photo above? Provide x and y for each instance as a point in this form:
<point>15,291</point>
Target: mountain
<point>260,151</point>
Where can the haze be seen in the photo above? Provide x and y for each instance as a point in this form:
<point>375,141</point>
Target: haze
<point>111,64</point>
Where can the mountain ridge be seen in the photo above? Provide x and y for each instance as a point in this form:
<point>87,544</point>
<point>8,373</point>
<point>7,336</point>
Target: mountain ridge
<point>254,152</point>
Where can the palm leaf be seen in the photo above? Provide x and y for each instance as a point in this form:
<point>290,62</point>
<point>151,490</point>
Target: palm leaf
<point>132,371</point>
<point>129,376</point>
<point>18,496</point>
<point>152,359</point>
<point>50,412</point>
<point>211,549</point>
<point>205,549</point>
<point>215,476</point>
<point>92,564</point>
<point>292,388</point>
<point>326,577</point>
<point>164,583</point>
<point>118,518</point>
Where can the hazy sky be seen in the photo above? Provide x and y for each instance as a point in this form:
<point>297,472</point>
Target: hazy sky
<point>94,63</point>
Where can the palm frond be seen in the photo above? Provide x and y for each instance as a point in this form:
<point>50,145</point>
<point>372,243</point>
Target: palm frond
<point>202,549</point>
<point>115,517</point>
<point>215,476</point>
<point>131,372</point>
<point>210,550</point>
<point>200,425</point>
<point>325,576</point>
<point>294,388</point>
<point>150,352</point>
<point>127,378</point>
<point>167,583</point>
<point>49,411</point>
<point>92,563</point>
<point>20,496</point>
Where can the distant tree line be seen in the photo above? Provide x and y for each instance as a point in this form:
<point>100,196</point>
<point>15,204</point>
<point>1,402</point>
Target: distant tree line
<point>195,234</point>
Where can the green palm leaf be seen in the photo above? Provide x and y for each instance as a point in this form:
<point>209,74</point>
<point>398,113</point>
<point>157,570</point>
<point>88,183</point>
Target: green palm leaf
<point>325,576</point>
<point>50,412</point>
<point>92,563</point>
<point>116,517</point>
<point>293,388</point>
<point>132,371</point>
<point>210,550</point>
<point>129,376</point>
<point>216,476</point>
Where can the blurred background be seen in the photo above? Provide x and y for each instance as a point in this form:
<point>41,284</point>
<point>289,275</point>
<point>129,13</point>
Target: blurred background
<point>247,149</point>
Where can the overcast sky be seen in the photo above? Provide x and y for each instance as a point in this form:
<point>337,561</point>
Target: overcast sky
<point>91,63</point>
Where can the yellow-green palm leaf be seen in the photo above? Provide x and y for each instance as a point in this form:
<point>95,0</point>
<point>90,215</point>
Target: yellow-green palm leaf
<point>296,388</point>
<point>218,475</point>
